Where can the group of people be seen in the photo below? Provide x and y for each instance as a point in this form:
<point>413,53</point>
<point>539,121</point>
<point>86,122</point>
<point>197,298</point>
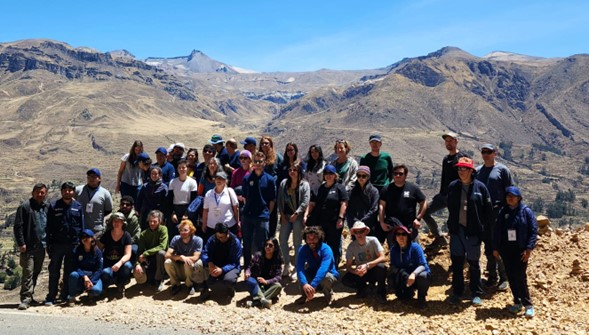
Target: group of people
<point>194,221</point>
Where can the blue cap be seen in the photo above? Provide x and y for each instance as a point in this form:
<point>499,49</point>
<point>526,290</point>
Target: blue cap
<point>329,169</point>
<point>162,150</point>
<point>87,232</point>
<point>514,190</point>
<point>142,157</point>
<point>93,171</point>
<point>374,137</point>
<point>249,140</point>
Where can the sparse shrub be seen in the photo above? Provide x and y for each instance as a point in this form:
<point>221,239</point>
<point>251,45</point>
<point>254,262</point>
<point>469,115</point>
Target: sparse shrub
<point>568,196</point>
<point>506,147</point>
<point>546,180</point>
<point>537,205</point>
<point>3,276</point>
<point>11,263</point>
<point>584,203</point>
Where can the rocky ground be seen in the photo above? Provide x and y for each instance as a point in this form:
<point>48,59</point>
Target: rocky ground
<point>558,280</point>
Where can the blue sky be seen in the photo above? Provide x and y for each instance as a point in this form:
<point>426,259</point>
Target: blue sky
<point>305,35</point>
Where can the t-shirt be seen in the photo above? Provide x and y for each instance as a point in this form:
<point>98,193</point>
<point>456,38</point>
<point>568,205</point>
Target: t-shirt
<point>95,204</point>
<point>497,178</point>
<point>449,171</point>
<point>381,168</point>
<point>402,202</point>
<point>362,254</point>
<point>188,249</point>
<point>131,174</point>
<point>220,207</point>
<point>114,250</point>
<point>182,190</point>
<point>327,204</point>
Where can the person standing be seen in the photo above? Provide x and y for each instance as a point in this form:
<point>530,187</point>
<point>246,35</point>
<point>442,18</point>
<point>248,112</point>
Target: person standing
<point>30,222</point>
<point>153,195</point>
<point>219,144</point>
<point>96,201</point>
<point>233,154</point>
<point>182,191</point>
<point>380,163</point>
<point>363,201</point>
<point>129,174</point>
<point>345,165</point>
<point>259,191</point>
<point>469,213</point>
<point>449,174</point>
<point>314,167</point>
<point>65,223</point>
<point>272,162</point>
<point>516,235</point>
<point>168,170</point>
<point>497,178</point>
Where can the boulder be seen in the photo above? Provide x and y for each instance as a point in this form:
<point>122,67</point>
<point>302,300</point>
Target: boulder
<point>543,221</point>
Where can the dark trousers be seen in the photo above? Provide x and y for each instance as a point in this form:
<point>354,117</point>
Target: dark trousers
<point>465,247</point>
<point>494,265</point>
<point>516,274</point>
<point>398,280</point>
<point>273,223</point>
<point>224,284</point>
<point>333,238</point>
<point>376,275</point>
<point>128,189</point>
<point>32,264</point>
<point>439,202</point>
<point>61,254</point>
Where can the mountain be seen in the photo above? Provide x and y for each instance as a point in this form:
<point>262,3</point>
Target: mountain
<point>196,62</point>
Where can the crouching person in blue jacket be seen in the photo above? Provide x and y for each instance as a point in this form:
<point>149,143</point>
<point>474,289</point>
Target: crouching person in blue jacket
<point>87,268</point>
<point>516,234</point>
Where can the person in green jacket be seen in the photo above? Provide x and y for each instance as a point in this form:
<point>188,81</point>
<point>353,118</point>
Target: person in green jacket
<point>153,243</point>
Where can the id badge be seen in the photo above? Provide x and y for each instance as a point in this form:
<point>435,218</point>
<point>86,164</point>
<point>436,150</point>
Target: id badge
<point>89,207</point>
<point>217,211</point>
<point>511,235</point>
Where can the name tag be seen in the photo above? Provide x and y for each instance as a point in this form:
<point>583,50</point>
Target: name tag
<point>406,194</point>
<point>89,207</point>
<point>511,235</point>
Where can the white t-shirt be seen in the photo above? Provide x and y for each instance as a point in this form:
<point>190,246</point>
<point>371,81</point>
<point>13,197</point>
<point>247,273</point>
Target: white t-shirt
<point>182,190</point>
<point>220,207</point>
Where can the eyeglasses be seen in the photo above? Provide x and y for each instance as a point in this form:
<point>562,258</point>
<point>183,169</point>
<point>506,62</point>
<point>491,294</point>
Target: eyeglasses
<point>462,168</point>
<point>244,157</point>
<point>269,245</point>
<point>398,174</point>
<point>258,161</point>
<point>290,150</point>
<point>265,143</point>
<point>363,176</point>
<point>486,152</point>
<point>293,170</point>
<point>401,234</point>
<point>360,231</point>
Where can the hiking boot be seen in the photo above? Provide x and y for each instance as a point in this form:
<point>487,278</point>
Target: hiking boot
<point>515,309</point>
<point>503,286</point>
<point>176,289</point>
<point>454,299</point>
<point>23,306</point>
<point>530,313</point>
<point>421,304</point>
<point>265,303</point>
<point>361,293</point>
<point>477,301</point>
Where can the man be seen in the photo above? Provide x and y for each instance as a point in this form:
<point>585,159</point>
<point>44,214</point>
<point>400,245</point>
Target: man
<point>219,144</point>
<point>183,261</point>
<point>131,223</point>
<point>449,174</point>
<point>497,178</point>
<point>380,163</point>
<point>259,191</point>
<point>176,155</point>
<point>233,154</point>
<point>65,222</point>
<point>250,144</point>
<point>30,222</point>
<point>168,170</point>
<point>221,255</point>
<point>365,263</point>
<point>153,244</point>
<point>399,200</point>
<point>316,269</point>
<point>470,214</point>
<point>96,202</point>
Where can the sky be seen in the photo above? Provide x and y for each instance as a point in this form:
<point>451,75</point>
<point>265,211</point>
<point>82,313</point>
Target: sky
<point>303,35</point>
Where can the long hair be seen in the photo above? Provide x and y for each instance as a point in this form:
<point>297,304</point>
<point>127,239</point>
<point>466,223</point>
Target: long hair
<point>276,255</point>
<point>299,167</point>
<point>296,155</point>
<point>132,156</point>
<point>271,156</point>
<point>207,173</point>
<point>313,165</point>
<point>195,151</point>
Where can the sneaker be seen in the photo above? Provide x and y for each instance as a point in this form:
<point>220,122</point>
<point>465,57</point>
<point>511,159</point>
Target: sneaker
<point>329,297</point>
<point>454,299</point>
<point>265,303</point>
<point>176,289</point>
<point>160,286</point>
<point>192,291</point>
<point>530,313</point>
<point>503,286</point>
<point>477,301</point>
<point>515,309</point>
<point>48,303</point>
<point>23,306</point>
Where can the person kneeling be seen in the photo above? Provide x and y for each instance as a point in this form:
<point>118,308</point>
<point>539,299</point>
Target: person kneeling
<point>409,269</point>
<point>152,243</point>
<point>88,268</point>
<point>262,277</point>
<point>365,263</point>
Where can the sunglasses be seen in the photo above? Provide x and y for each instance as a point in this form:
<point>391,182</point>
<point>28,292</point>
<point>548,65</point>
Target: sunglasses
<point>360,231</point>
<point>363,176</point>
<point>398,174</point>
<point>462,168</point>
<point>269,245</point>
<point>243,157</point>
<point>258,161</point>
<point>486,152</point>
<point>401,234</point>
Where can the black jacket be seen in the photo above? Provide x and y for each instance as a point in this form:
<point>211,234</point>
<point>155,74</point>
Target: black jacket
<point>479,208</point>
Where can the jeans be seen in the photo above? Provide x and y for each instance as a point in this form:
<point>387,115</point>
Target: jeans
<point>32,264</point>
<point>60,254</point>
<point>469,247</point>
<point>76,286</point>
<point>439,202</point>
<point>120,277</point>
<point>297,238</point>
<point>257,290</point>
<point>255,233</point>
<point>153,269</point>
<point>180,271</point>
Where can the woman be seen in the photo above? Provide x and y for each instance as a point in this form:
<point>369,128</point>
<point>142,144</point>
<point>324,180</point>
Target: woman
<point>116,249</point>
<point>220,206</point>
<point>273,161</point>
<point>327,209</point>
<point>516,234</point>
<point>245,159</point>
<point>129,174</point>
<point>207,181</point>
<point>315,165</point>
<point>183,189</point>
<point>208,152</point>
<point>363,202</point>
<point>294,194</point>
<point>192,159</point>
<point>88,268</point>
<point>262,277</point>
<point>409,270</point>
<point>345,166</point>
<point>153,195</point>
<point>291,156</point>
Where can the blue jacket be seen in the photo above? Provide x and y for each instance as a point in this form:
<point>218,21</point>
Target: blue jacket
<point>64,222</point>
<point>409,258</point>
<point>227,260</point>
<point>88,263</point>
<point>524,222</point>
<point>152,196</point>
<point>320,265</point>
<point>480,208</point>
<point>258,191</point>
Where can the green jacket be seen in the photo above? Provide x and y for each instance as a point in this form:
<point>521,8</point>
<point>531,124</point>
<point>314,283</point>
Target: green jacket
<point>152,241</point>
